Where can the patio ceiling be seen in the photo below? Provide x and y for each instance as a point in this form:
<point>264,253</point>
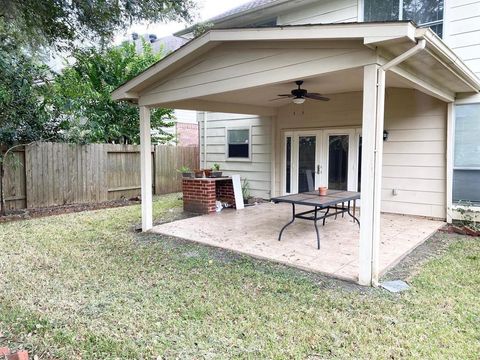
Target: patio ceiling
<point>265,96</point>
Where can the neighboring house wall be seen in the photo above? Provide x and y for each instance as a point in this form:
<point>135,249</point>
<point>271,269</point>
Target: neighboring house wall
<point>414,155</point>
<point>462,30</point>
<point>187,134</point>
<point>185,128</point>
<point>256,170</point>
<point>333,11</point>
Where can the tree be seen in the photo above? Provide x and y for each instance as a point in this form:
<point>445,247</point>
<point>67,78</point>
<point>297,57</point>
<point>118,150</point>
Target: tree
<point>23,114</point>
<point>61,23</point>
<point>80,96</point>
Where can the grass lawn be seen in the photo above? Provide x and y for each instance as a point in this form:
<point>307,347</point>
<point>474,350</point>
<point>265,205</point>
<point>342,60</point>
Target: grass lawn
<point>86,286</point>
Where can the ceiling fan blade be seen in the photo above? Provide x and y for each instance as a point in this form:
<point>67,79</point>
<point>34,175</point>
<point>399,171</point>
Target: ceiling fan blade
<point>280,98</point>
<point>287,95</point>
<point>315,96</point>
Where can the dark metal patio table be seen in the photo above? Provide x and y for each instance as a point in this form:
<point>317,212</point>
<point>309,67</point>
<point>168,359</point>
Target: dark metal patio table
<point>324,206</point>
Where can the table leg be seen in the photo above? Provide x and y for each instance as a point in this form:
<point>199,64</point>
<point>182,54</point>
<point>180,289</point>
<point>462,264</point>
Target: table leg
<point>316,228</point>
<point>325,215</point>
<point>293,219</point>
<point>353,215</point>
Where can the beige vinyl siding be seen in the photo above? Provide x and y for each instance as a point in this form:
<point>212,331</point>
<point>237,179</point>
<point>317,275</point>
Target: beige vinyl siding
<point>414,155</point>
<point>257,170</point>
<point>322,12</point>
<point>462,30</point>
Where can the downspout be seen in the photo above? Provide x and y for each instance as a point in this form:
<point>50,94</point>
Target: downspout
<point>380,114</point>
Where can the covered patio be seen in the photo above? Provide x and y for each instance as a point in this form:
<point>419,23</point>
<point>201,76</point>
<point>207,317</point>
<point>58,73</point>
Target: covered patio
<point>254,231</point>
<point>242,70</point>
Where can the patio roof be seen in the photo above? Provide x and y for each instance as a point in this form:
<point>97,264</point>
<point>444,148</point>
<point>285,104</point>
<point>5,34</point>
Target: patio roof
<point>437,68</point>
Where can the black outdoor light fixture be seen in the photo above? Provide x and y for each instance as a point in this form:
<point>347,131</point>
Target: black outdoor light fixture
<point>385,135</point>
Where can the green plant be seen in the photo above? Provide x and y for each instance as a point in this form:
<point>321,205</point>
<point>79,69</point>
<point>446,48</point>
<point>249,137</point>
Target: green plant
<point>469,216</point>
<point>216,167</point>
<point>245,189</point>
<point>81,94</point>
<point>66,24</point>
<point>184,169</point>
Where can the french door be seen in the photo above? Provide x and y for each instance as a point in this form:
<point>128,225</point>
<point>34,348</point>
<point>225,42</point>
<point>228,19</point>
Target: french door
<point>320,158</point>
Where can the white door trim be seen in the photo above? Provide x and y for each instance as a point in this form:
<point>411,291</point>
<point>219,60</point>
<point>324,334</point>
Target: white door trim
<point>321,156</point>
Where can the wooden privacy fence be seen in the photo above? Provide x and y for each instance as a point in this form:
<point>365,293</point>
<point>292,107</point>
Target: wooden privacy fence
<point>49,174</point>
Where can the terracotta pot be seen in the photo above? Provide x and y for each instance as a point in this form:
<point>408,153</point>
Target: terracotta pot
<point>208,172</point>
<point>322,190</point>
<point>198,173</point>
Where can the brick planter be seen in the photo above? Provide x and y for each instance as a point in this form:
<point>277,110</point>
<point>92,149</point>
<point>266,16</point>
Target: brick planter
<point>200,194</point>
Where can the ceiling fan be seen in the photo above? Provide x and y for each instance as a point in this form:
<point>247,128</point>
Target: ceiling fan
<point>299,95</point>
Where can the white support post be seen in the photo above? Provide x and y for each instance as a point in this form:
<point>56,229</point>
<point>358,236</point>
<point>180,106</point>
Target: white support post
<point>449,167</point>
<point>273,157</point>
<point>146,168</point>
<point>377,197</point>
<point>372,147</point>
<point>205,139</point>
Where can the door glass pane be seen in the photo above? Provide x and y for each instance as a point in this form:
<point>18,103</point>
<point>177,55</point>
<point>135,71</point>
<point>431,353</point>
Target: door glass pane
<point>288,160</point>
<point>306,163</point>
<point>337,162</point>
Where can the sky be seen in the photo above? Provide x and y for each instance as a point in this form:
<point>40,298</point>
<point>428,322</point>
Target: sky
<point>206,9</point>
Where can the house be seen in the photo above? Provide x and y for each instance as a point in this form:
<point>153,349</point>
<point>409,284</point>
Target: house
<point>402,124</point>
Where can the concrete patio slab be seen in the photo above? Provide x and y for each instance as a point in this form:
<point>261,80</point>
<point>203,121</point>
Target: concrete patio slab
<point>254,231</point>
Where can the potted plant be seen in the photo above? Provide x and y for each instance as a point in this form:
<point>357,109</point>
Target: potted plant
<point>186,172</point>
<point>208,172</point>
<point>216,173</point>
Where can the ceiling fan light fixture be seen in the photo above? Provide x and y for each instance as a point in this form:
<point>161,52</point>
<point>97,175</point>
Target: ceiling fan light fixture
<point>298,100</point>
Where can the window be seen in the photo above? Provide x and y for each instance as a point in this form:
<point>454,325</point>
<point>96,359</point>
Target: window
<point>422,12</point>
<point>466,160</point>
<point>238,141</point>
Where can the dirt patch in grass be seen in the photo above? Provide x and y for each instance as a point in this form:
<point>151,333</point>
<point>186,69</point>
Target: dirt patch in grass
<point>25,214</point>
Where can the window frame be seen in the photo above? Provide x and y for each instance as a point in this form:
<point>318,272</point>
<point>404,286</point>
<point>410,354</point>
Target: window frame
<point>457,203</point>
<point>227,153</point>
<point>361,15</point>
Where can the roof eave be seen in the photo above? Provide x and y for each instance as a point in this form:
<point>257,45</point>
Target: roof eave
<point>244,14</point>
<point>440,50</point>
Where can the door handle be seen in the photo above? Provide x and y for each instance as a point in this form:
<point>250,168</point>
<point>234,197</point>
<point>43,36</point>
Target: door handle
<point>318,169</point>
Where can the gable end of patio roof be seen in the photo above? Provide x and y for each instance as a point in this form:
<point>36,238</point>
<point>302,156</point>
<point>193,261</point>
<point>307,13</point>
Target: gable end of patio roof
<point>369,33</point>
<point>393,37</point>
